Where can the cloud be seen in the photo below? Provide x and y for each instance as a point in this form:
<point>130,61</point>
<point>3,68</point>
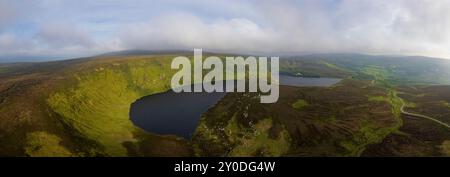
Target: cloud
<point>175,31</point>
<point>54,39</point>
<point>7,13</point>
<point>408,27</point>
<point>380,27</point>
<point>11,45</point>
<point>64,35</point>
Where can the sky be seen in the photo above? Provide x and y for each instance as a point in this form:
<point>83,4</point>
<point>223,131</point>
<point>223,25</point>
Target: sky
<point>67,28</point>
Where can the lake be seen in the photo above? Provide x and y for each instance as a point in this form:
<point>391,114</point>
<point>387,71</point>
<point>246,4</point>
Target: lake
<point>179,113</point>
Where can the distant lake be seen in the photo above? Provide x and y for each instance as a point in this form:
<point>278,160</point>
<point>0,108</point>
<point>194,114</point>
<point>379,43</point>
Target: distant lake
<point>179,113</point>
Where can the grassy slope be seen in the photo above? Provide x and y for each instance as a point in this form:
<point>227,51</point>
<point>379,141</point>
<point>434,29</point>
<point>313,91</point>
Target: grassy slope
<point>80,107</point>
<point>96,101</point>
<point>43,144</point>
<point>400,70</point>
<point>411,136</point>
<point>87,103</point>
<point>338,121</point>
<point>299,104</point>
<point>365,132</point>
<point>260,143</point>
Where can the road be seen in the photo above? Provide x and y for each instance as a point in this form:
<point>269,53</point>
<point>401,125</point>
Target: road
<point>421,116</point>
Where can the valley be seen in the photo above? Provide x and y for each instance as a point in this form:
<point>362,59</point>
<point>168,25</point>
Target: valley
<point>81,107</point>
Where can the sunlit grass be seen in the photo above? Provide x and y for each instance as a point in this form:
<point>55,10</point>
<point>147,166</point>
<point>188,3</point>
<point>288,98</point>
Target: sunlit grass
<point>299,104</point>
<point>98,105</point>
<point>43,144</point>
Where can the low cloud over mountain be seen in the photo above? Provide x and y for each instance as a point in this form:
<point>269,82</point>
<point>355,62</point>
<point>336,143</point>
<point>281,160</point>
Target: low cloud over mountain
<point>80,28</point>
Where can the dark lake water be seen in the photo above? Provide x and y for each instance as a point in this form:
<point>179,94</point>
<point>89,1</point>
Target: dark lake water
<point>179,113</point>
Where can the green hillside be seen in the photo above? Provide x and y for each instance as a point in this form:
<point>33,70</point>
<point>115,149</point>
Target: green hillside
<point>80,107</point>
<point>398,70</point>
<point>91,101</point>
